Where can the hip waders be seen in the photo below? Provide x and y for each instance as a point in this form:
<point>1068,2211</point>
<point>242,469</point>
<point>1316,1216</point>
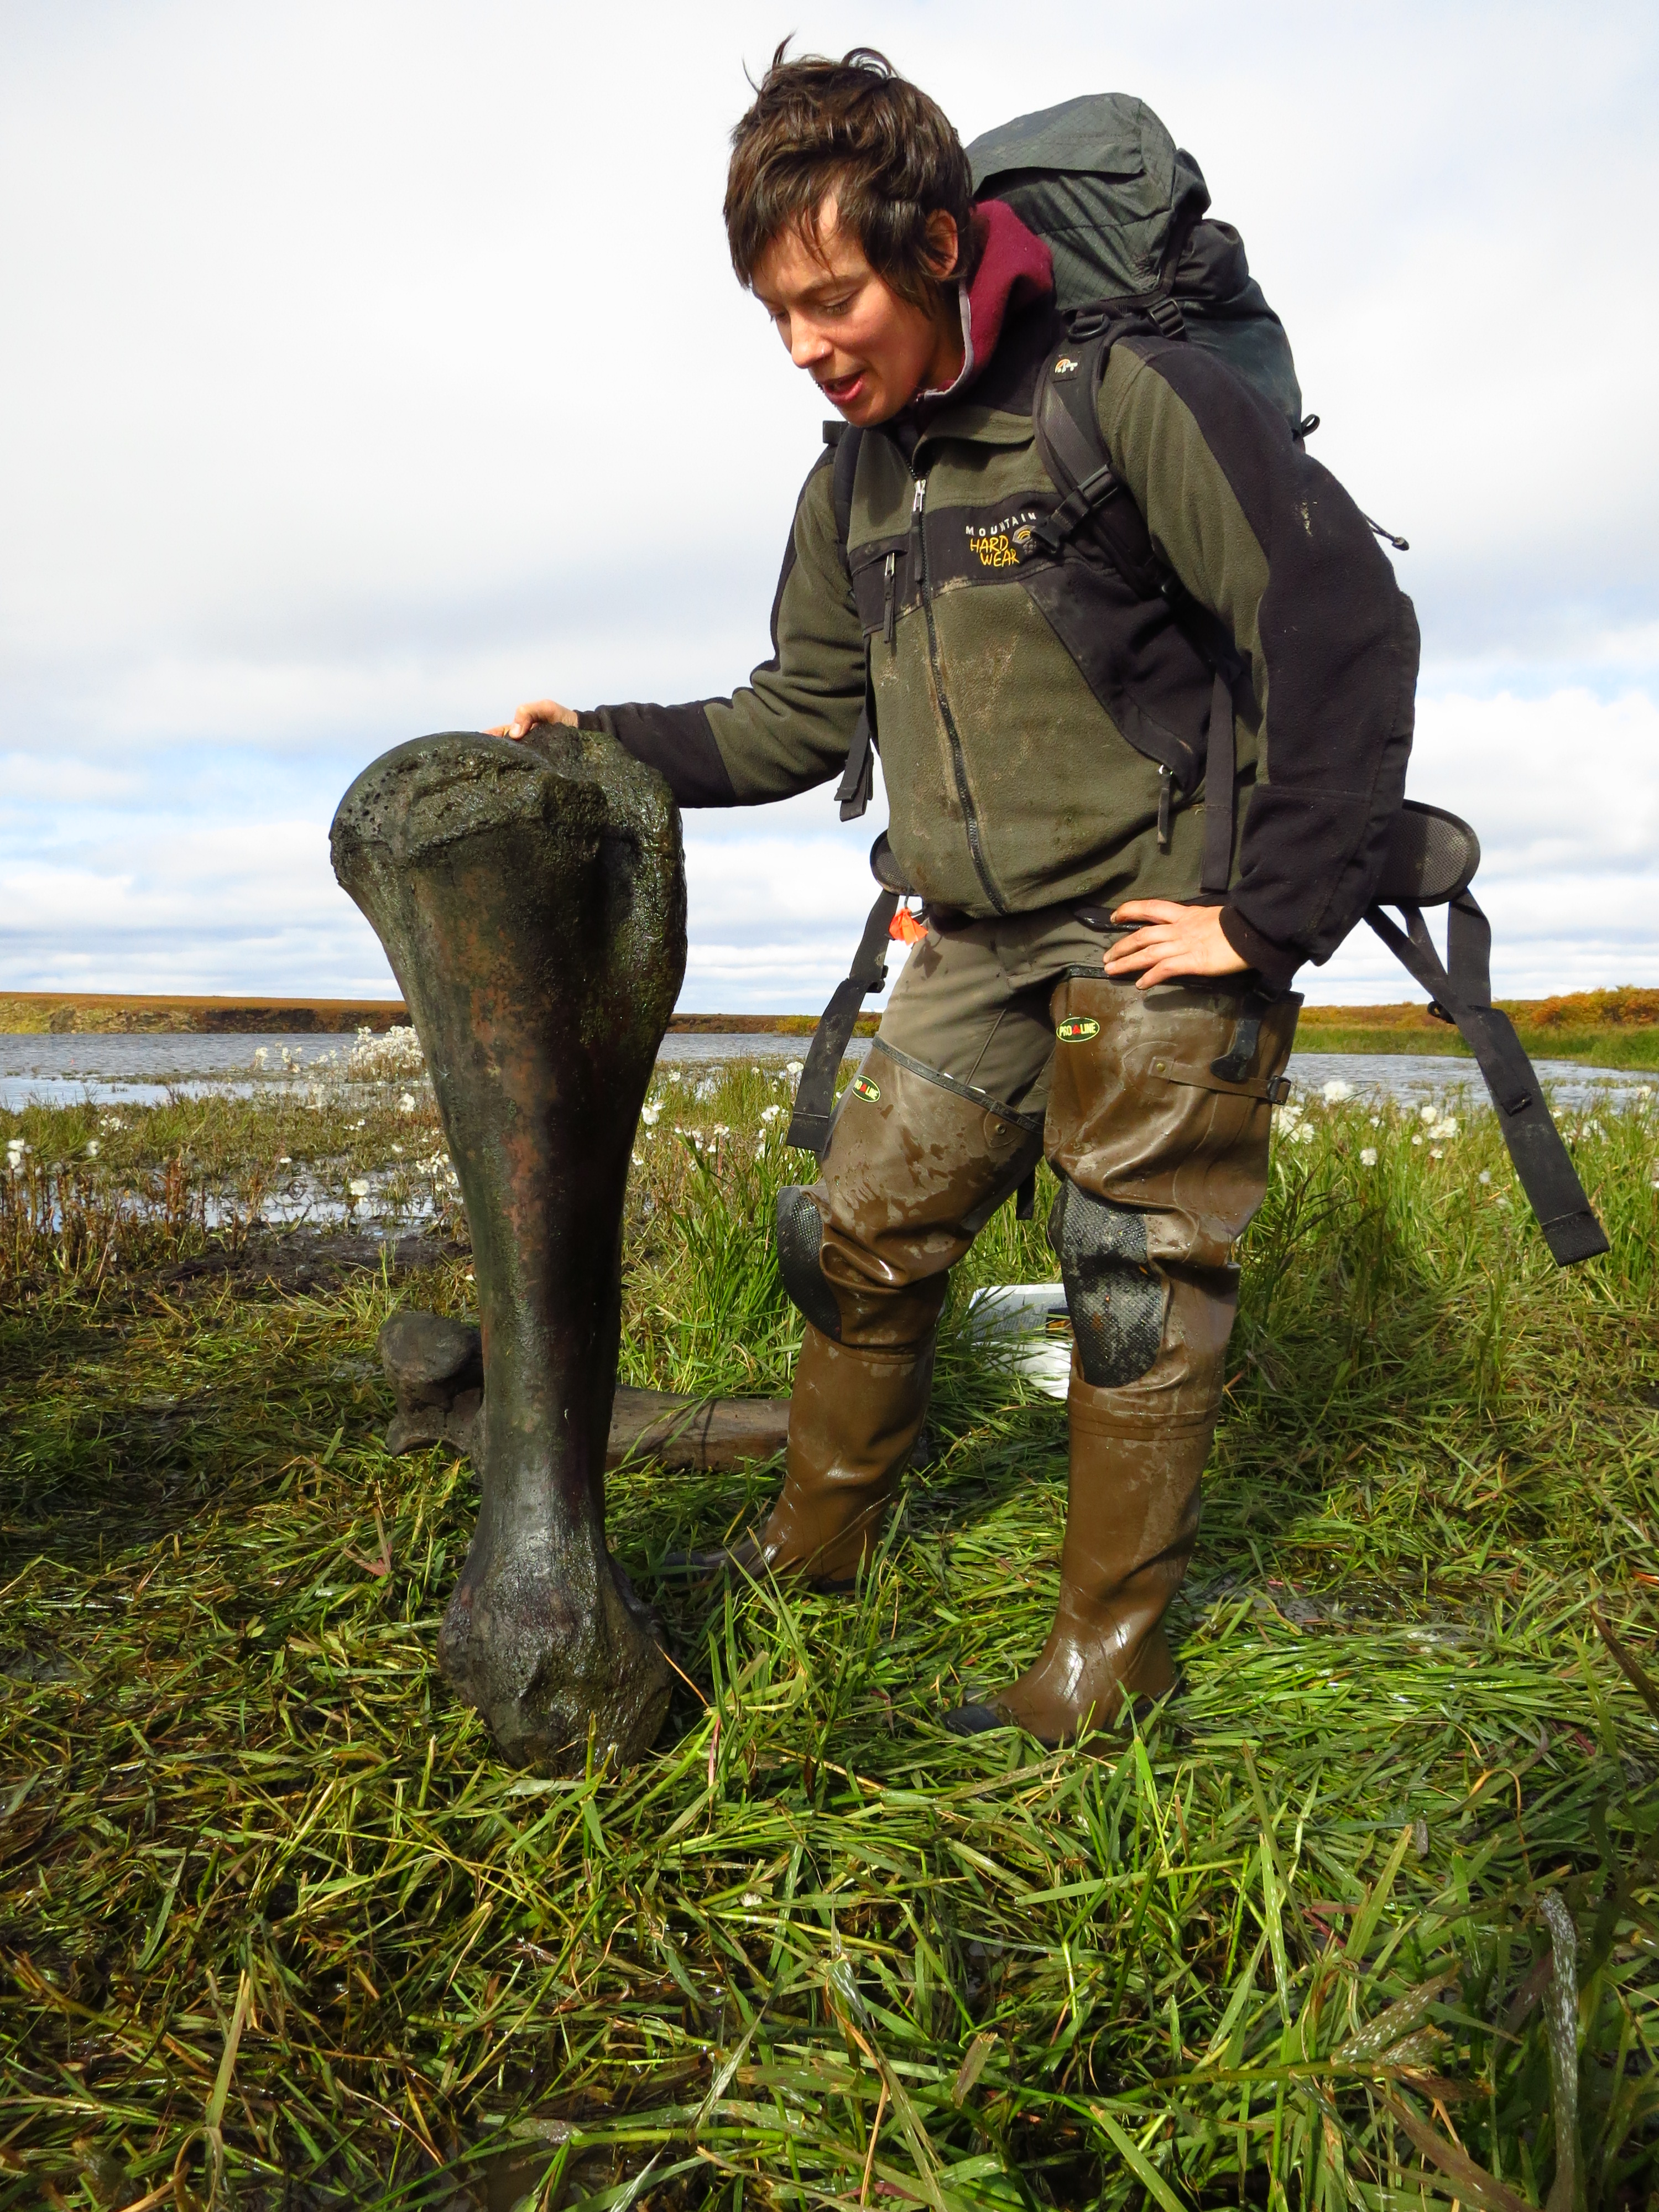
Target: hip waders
<point>1163,1163</point>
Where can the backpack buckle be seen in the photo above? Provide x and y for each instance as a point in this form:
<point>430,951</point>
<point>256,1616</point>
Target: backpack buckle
<point>1166,313</point>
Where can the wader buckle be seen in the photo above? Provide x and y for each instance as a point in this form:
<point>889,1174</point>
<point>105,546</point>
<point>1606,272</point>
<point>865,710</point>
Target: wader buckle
<point>1234,1065</point>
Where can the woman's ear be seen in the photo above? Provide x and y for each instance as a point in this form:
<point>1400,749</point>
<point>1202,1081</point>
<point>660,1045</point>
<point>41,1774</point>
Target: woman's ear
<point>944,245</point>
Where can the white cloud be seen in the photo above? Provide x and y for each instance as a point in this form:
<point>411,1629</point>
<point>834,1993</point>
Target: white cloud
<point>378,366</point>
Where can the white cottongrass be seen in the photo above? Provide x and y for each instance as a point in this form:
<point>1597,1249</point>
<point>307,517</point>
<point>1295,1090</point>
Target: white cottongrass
<point>92,1148</point>
<point>1336,1090</point>
<point>795,1067</point>
<point>358,1186</point>
<point>1367,1157</point>
<point>384,1058</point>
<point>770,1112</point>
<point>1485,1176</point>
<point>650,1115</point>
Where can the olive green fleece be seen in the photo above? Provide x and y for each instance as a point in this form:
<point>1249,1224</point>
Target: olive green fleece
<point>1022,703</point>
<point>1064,807</point>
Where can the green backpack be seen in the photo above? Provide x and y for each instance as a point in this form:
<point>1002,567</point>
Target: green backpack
<point>1122,209</point>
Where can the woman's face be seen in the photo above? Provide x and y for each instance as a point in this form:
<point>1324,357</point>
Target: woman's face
<point>867,350</point>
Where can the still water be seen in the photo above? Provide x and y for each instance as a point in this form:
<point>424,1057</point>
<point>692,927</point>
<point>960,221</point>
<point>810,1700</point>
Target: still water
<point>139,1069</point>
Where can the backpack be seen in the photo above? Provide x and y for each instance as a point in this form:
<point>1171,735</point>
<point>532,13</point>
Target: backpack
<point>1121,209</point>
<point>1120,206</point>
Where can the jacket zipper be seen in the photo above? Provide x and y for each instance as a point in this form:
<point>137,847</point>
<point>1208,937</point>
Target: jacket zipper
<point>970,819</point>
<point>890,611</point>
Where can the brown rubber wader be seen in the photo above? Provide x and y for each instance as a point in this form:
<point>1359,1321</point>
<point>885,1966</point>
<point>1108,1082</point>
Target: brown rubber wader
<point>1165,1164</point>
<point>1004,1039</point>
<point>914,1171</point>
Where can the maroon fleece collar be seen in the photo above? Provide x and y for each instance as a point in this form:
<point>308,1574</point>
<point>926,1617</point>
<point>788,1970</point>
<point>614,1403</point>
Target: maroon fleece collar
<point>1015,268</point>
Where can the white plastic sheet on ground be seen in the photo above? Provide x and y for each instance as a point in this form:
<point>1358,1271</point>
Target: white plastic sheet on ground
<point>1035,1315</point>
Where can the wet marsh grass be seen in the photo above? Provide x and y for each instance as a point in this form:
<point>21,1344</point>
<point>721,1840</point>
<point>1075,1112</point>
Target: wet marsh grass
<point>1370,1916</point>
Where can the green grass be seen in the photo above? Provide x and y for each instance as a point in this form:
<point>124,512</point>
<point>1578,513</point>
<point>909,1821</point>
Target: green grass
<point>1593,1047</point>
<point>277,1928</point>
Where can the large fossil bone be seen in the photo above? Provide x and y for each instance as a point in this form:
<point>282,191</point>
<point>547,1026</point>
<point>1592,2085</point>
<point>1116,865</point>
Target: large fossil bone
<point>531,901</point>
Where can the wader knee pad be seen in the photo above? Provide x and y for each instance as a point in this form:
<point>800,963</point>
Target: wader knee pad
<point>1118,1300</point>
<point>800,1240</point>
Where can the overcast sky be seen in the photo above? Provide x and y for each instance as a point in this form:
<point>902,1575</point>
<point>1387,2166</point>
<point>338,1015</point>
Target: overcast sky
<point>370,367</point>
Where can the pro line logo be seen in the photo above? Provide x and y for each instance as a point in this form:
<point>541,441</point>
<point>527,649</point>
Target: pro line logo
<point>1078,1030</point>
<point>864,1087</point>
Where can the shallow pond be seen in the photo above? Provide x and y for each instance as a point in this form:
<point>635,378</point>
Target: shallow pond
<point>117,1068</point>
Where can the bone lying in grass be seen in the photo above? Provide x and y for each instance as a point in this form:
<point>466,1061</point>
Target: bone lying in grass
<point>436,1366</point>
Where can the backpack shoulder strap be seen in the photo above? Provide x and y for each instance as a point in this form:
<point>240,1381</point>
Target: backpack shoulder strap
<point>846,439</point>
<point>858,781</point>
<point>1066,421</point>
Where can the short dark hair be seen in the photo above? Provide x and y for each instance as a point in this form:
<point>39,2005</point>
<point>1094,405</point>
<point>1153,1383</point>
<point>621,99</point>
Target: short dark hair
<point>856,128</point>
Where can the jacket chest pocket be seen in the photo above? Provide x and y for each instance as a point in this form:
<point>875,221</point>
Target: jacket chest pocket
<point>880,576</point>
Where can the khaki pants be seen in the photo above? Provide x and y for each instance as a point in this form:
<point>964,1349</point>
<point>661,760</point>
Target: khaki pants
<point>1004,1041</point>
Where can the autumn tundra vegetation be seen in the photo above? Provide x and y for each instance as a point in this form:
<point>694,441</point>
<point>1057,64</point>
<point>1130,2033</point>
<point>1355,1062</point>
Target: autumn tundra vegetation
<point>1367,1914</point>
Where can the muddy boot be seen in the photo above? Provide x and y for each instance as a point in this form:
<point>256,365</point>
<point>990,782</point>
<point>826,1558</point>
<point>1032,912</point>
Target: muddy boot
<point>1130,1521</point>
<point>853,1419</point>
<point>531,900</point>
<point>1158,1115</point>
<point>914,1169</point>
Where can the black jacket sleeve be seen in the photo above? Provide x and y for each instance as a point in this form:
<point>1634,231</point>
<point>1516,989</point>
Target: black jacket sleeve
<point>1269,541</point>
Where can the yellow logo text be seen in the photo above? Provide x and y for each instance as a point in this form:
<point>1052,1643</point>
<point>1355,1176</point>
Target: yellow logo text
<point>1078,1030</point>
<point>995,549</point>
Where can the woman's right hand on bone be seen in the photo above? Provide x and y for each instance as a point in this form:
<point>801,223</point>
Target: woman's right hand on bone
<point>526,718</point>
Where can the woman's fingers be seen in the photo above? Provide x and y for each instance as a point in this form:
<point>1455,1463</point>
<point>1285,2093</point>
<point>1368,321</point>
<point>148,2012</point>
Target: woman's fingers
<point>1154,910</point>
<point>1174,941</point>
<point>524,718</point>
